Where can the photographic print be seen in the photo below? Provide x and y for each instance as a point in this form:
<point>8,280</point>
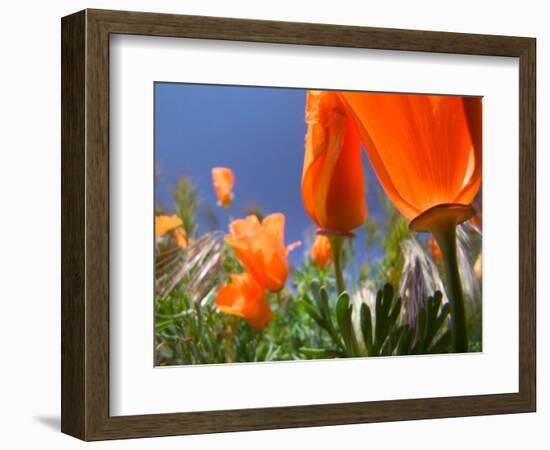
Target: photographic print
<point>297,224</point>
<point>315,224</point>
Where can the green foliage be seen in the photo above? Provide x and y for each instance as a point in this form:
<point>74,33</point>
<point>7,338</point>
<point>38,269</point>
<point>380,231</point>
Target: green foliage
<point>309,273</point>
<point>429,334</point>
<point>186,333</point>
<point>310,320</point>
<point>321,312</point>
<point>292,329</point>
<point>344,321</point>
<point>230,262</point>
<point>186,201</point>
<point>372,232</point>
<point>308,326</point>
<point>364,272</point>
<point>474,314</point>
<point>382,333</point>
<point>393,232</point>
<point>378,335</point>
<point>392,262</point>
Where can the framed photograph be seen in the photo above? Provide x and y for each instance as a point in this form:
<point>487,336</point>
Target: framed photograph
<point>270,225</point>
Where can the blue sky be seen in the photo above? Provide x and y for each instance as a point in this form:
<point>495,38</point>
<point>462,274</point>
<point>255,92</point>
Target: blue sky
<point>258,132</point>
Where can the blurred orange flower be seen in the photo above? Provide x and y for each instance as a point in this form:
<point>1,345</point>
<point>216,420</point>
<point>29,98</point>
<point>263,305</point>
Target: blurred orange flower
<point>260,248</point>
<point>320,251</point>
<point>223,181</point>
<point>244,297</point>
<point>434,249</point>
<point>333,189</point>
<point>478,267</point>
<point>426,150</point>
<point>164,224</point>
<point>180,236</point>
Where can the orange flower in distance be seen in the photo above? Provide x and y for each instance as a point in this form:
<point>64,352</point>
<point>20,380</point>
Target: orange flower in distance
<point>260,248</point>
<point>434,249</point>
<point>426,150</point>
<point>223,181</point>
<point>320,251</point>
<point>244,297</point>
<point>180,236</point>
<point>333,189</point>
<point>164,224</point>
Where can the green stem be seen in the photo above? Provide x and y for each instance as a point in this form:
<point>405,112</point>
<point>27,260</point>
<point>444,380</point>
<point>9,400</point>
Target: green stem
<point>336,247</point>
<point>179,315</point>
<point>445,235</point>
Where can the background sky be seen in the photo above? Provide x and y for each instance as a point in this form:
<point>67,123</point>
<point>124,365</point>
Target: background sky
<point>257,132</point>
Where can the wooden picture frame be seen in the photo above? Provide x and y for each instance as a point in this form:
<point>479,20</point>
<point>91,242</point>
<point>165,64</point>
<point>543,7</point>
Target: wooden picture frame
<point>85,224</point>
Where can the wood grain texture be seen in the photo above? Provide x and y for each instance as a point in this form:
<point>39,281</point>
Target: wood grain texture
<point>85,224</point>
<point>527,224</point>
<point>73,111</point>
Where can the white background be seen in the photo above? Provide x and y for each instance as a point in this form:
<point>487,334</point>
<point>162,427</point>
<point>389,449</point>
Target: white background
<point>136,387</point>
<point>30,230</point>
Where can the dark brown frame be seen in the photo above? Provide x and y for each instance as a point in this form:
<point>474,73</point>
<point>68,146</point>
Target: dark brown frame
<point>85,224</point>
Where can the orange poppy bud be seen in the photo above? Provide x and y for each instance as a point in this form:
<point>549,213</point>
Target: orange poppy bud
<point>260,248</point>
<point>292,246</point>
<point>333,189</point>
<point>223,181</point>
<point>320,251</point>
<point>426,150</point>
<point>180,236</point>
<point>244,297</point>
<point>164,224</point>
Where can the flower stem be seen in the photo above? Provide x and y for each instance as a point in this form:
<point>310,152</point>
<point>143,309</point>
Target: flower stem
<point>442,220</point>
<point>230,341</point>
<point>336,247</point>
<point>445,235</point>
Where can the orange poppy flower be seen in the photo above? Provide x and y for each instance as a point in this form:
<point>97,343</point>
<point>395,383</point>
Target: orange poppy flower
<point>180,236</point>
<point>164,224</point>
<point>244,297</point>
<point>260,248</point>
<point>426,150</point>
<point>333,189</point>
<point>473,111</point>
<point>320,251</point>
<point>223,181</point>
